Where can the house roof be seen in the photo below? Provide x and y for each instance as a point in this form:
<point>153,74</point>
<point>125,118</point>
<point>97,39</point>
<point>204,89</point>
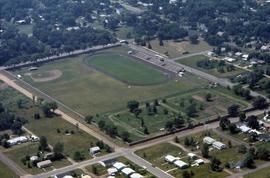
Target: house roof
<point>170,158</point>
<point>180,164</point>
<point>119,165</point>
<point>136,175</point>
<point>209,140</point>
<point>127,171</point>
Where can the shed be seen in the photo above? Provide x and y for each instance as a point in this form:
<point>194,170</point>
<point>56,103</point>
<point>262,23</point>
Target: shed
<point>44,164</point>
<point>127,171</point>
<point>33,158</point>
<point>191,155</point>
<point>136,175</point>
<point>119,165</point>
<point>181,164</point>
<point>208,140</point>
<point>244,128</point>
<point>94,150</point>
<point>199,161</point>
<point>219,145</point>
<point>170,158</point>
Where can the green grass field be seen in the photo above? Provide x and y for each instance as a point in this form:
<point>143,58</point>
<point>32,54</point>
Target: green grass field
<point>79,141</point>
<point>192,62</point>
<point>176,49</point>
<point>126,69</point>
<point>156,154</point>
<point>89,91</point>
<point>5,172</point>
<point>27,29</point>
<point>263,173</point>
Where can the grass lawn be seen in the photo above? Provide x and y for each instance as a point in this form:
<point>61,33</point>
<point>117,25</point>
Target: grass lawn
<point>176,49</point>
<point>79,141</point>
<point>124,32</point>
<point>27,29</point>
<point>263,173</point>
<point>5,172</point>
<point>126,69</point>
<point>89,91</point>
<point>100,170</point>
<point>17,154</point>
<point>221,99</point>
<point>156,154</point>
<point>192,62</point>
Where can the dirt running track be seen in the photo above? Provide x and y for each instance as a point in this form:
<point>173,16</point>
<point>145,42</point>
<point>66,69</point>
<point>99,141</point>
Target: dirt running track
<point>66,117</point>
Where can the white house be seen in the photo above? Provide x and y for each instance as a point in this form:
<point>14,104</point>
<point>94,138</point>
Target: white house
<point>208,140</point>
<point>219,145</point>
<point>44,164</point>
<point>191,155</point>
<point>199,161</point>
<point>119,165</point>
<point>244,128</point>
<point>170,158</point>
<point>180,164</point>
<point>127,171</point>
<point>17,140</point>
<point>112,171</point>
<point>136,175</point>
<point>94,150</point>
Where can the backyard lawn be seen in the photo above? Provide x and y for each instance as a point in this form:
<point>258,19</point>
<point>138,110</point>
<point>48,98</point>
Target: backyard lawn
<point>5,172</point>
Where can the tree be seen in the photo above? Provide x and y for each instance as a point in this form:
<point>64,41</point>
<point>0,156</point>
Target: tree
<point>233,110</point>
<point>88,119</point>
<point>169,126</point>
<point>145,131</point>
<point>132,105</point>
<point>101,124</point>
<point>242,117</point>
<point>58,150</point>
<point>193,37</point>
<point>224,123</point>
<point>78,156</point>
<point>205,150</point>
<point>186,174</point>
<point>215,164</point>
<point>233,129</point>
<point>125,136</point>
<point>208,97</point>
<point>259,102</point>
<point>242,149</point>
<point>263,153</point>
<point>43,144</point>
<point>94,169</point>
<point>191,110</point>
<point>252,122</point>
<point>249,160</point>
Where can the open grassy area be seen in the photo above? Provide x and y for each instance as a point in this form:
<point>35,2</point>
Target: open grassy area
<point>78,141</point>
<point>89,91</point>
<point>156,154</point>
<point>5,172</point>
<point>263,173</point>
<point>124,32</point>
<point>176,49</point>
<point>192,62</point>
<point>27,29</point>
<point>126,69</point>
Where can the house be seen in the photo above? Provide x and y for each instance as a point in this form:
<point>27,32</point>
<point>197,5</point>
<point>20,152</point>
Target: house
<point>191,155</point>
<point>238,54</point>
<point>108,162</point>
<point>244,128</point>
<point>127,171</point>
<point>136,175</point>
<point>44,164</point>
<point>94,150</point>
<point>17,140</point>
<point>219,145</point>
<point>181,164</point>
<point>119,165</point>
<point>112,171</point>
<point>208,140</point>
<point>170,158</point>
<point>199,161</point>
<point>245,57</point>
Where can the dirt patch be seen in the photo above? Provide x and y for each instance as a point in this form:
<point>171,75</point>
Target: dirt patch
<point>198,98</point>
<point>3,86</point>
<point>52,75</point>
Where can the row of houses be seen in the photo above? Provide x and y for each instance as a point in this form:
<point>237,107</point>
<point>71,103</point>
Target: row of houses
<point>121,167</point>
<point>22,139</point>
<point>214,143</point>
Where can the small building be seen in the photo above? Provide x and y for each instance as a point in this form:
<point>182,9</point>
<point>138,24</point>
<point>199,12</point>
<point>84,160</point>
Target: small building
<point>181,164</point>
<point>33,158</point>
<point>119,166</point>
<point>108,162</point>
<point>199,161</point>
<point>264,137</point>
<point>219,145</point>
<point>191,155</point>
<point>136,175</point>
<point>44,164</point>
<point>32,68</point>
<point>112,171</point>
<point>34,138</point>
<point>244,128</point>
<point>127,171</point>
<point>48,156</point>
<point>240,164</point>
<point>17,140</point>
<point>170,158</point>
<point>229,59</point>
<point>94,150</point>
<point>208,140</point>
